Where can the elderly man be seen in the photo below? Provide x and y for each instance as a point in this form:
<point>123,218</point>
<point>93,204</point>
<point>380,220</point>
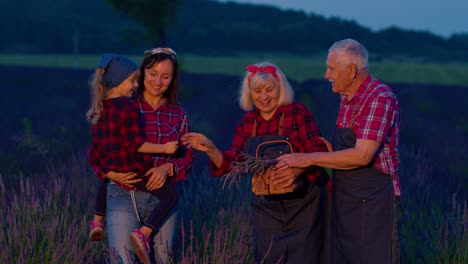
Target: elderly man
<point>364,161</point>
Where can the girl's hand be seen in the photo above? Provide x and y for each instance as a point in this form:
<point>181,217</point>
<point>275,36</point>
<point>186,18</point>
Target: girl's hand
<point>171,147</point>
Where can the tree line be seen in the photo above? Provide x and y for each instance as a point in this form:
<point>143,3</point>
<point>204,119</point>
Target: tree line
<point>201,26</point>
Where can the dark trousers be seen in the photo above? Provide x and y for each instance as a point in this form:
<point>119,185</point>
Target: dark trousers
<point>167,196</point>
<point>288,228</point>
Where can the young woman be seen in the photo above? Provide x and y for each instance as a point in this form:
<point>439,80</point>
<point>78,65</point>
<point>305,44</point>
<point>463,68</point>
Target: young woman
<point>163,120</point>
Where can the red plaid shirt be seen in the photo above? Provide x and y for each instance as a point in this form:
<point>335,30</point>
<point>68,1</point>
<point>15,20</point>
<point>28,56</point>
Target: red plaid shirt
<point>167,123</point>
<point>299,127</point>
<point>160,126</point>
<point>116,138</point>
<point>376,117</point>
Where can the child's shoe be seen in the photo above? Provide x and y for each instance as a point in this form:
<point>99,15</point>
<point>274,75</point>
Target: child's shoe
<point>96,231</point>
<point>141,245</point>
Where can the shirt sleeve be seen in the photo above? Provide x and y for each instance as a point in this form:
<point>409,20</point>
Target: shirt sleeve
<point>94,162</point>
<point>375,120</point>
<point>131,131</point>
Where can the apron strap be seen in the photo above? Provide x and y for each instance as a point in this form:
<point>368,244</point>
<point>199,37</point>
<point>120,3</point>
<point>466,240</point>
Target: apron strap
<point>280,126</point>
<point>254,129</point>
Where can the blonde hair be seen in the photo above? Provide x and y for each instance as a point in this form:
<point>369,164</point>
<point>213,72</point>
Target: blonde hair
<point>259,79</point>
<point>111,71</point>
<point>98,93</point>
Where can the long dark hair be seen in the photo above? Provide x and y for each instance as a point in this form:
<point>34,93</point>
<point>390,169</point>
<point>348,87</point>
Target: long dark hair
<point>156,56</point>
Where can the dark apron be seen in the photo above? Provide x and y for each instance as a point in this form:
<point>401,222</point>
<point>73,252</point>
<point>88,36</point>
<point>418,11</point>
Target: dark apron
<point>287,227</point>
<point>363,211</point>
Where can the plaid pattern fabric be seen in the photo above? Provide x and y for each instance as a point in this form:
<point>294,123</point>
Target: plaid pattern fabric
<point>374,114</point>
<point>299,127</point>
<point>116,138</point>
<point>167,123</point>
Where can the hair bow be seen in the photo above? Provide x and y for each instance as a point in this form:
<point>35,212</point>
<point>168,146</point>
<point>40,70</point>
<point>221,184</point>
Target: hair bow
<point>253,69</point>
<point>267,69</point>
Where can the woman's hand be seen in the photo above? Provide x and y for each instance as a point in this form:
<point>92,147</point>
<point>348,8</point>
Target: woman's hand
<point>286,177</point>
<point>198,141</point>
<point>157,176</point>
<point>124,178</point>
<point>202,143</point>
<point>328,144</point>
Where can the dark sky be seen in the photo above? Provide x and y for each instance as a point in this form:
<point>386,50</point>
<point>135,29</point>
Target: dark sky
<point>442,17</point>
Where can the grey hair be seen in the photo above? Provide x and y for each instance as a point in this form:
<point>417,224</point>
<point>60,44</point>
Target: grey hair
<point>259,79</point>
<point>355,52</point>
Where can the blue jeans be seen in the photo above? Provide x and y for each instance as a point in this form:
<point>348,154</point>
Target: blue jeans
<point>167,196</point>
<point>122,220</point>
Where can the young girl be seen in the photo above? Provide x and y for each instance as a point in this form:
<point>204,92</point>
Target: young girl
<point>118,140</point>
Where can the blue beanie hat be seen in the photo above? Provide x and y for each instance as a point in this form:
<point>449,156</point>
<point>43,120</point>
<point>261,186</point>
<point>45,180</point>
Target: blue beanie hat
<point>117,69</point>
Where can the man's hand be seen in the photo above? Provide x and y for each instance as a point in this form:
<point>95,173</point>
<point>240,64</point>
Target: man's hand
<point>293,160</point>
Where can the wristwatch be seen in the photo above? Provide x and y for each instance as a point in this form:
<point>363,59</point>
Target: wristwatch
<point>171,170</point>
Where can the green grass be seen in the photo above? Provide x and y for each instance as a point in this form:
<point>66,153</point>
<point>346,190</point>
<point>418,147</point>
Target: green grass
<point>298,68</point>
<point>426,73</point>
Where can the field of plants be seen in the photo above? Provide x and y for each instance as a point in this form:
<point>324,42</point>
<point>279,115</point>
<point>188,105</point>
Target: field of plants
<point>47,188</point>
<point>298,68</point>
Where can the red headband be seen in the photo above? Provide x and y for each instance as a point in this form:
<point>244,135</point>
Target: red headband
<point>266,69</point>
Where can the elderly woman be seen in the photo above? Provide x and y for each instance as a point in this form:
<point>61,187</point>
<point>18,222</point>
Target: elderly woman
<point>286,213</point>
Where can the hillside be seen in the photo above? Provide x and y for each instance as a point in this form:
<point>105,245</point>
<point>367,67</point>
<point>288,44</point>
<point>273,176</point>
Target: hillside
<point>206,26</point>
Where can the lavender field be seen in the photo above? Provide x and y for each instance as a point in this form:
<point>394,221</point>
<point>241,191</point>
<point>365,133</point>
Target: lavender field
<point>47,189</point>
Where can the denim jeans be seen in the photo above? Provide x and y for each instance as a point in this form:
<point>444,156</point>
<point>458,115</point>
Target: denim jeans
<point>122,220</point>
